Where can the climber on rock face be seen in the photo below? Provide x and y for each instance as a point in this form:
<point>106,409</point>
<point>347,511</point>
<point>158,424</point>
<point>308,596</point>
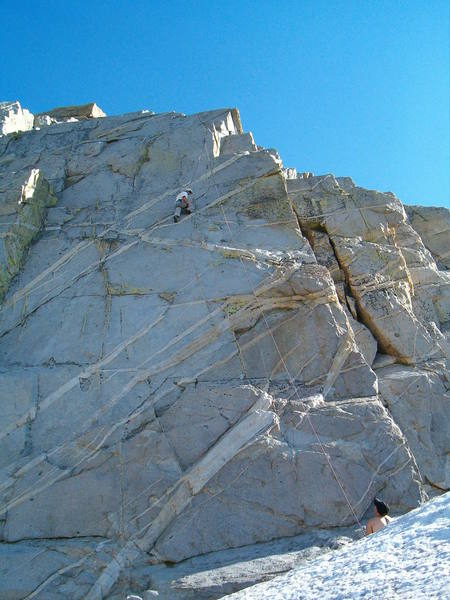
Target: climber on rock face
<point>381,518</point>
<point>182,204</point>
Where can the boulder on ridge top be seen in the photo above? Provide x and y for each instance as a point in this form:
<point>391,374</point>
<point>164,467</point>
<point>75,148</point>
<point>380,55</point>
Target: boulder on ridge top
<point>68,113</point>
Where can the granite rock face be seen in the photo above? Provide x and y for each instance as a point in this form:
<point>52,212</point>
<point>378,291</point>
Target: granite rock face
<point>169,390</point>
<point>388,277</point>
<point>433,226</point>
<point>393,280</point>
<point>418,399</point>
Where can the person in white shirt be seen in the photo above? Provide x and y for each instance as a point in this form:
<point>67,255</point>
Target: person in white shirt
<point>182,204</point>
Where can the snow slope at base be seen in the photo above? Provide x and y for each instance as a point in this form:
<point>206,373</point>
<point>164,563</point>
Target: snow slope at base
<point>409,559</point>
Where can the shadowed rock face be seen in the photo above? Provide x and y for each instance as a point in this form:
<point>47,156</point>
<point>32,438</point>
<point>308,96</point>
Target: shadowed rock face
<point>433,226</point>
<point>177,389</point>
<point>22,216</point>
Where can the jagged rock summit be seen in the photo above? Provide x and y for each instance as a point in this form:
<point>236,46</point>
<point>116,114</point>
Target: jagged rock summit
<point>262,368</point>
<point>14,119</point>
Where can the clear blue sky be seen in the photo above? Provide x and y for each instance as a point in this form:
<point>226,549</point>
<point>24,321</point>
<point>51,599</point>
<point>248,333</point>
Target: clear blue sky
<point>352,87</point>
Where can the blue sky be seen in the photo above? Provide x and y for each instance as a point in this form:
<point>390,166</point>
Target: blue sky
<point>356,87</point>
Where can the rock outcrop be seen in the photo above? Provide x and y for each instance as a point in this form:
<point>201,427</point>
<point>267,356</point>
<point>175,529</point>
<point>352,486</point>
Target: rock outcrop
<point>13,118</point>
<point>392,285</point>
<point>69,114</point>
<point>168,390</point>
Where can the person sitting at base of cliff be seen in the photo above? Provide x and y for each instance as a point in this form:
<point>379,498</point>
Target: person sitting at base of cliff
<point>182,204</point>
<point>381,518</point>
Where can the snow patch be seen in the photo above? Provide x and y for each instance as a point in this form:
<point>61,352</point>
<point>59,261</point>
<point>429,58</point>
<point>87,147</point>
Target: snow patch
<point>409,559</point>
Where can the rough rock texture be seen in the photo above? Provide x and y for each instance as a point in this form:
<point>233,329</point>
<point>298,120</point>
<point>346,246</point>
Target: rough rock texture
<point>212,575</point>
<point>399,293</point>
<point>419,400</point>
<point>391,283</point>
<point>176,389</point>
<point>59,569</point>
<point>433,226</point>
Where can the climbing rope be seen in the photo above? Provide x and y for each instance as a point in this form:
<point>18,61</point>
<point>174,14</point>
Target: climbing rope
<point>127,218</point>
<point>283,362</point>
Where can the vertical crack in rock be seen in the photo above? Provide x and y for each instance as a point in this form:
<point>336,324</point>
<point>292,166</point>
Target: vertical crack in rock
<point>362,315</point>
